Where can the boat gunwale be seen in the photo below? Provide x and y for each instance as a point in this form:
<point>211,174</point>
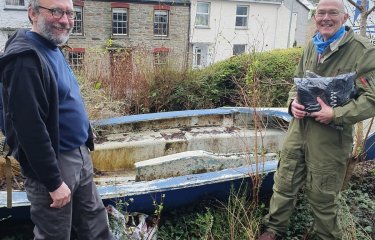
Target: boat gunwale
<point>271,112</point>
<point>130,189</point>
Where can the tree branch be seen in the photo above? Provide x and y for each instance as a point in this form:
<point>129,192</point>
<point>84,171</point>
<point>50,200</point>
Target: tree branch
<point>370,10</point>
<point>355,5</point>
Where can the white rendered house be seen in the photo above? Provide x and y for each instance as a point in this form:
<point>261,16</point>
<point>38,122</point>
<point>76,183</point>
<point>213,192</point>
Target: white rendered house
<point>223,28</point>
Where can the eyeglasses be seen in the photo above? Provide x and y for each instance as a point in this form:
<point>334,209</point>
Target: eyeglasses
<point>322,14</point>
<point>59,13</point>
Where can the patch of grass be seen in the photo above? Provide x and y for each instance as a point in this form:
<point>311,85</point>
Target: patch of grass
<point>240,219</point>
<point>358,203</point>
<point>300,220</point>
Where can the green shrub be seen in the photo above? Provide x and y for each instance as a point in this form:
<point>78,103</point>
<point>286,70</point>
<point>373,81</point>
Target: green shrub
<point>273,72</point>
<point>226,83</point>
<point>164,83</point>
<point>211,87</point>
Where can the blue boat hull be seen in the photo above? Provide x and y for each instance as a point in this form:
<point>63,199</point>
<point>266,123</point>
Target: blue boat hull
<point>177,191</point>
<point>178,198</point>
<point>173,192</point>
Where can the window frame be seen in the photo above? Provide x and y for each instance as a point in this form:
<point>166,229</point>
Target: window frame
<point>78,21</point>
<point>203,14</point>
<point>161,56</point>
<point>76,58</point>
<point>12,3</point>
<point>246,17</point>
<point>235,53</point>
<point>156,28</point>
<point>197,57</point>
<point>125,27</point>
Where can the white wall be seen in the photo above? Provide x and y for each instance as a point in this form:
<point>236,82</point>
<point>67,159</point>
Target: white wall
<point>303,25</point>
<point>299,20</point>
<point>11,18</point>
<point>267,28</point>
<point>284,26</point>
<point>3,39</point>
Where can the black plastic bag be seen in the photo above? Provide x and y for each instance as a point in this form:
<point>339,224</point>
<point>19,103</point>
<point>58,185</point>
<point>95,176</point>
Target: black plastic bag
<point>334,91</point>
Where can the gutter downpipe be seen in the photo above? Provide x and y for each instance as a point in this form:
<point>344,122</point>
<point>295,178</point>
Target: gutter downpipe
<point>187,61</point>
<point>276,24</point>
<point>290,24</point>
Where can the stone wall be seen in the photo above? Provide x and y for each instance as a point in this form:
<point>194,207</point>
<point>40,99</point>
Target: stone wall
<point>97,25</point>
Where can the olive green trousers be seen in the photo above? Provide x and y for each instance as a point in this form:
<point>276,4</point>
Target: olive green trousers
<point>314,155</point>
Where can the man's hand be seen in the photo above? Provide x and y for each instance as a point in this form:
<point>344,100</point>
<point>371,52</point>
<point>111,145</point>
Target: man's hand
<point>325,115</point>
<point>298,110</point>
<point>60,196</point>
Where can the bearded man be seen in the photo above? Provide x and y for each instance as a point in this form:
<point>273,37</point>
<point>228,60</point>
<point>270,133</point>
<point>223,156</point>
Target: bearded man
<point>47,127</point>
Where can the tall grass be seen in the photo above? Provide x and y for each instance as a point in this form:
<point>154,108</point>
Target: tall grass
<point>115,71</point>
<point>235,219</point>
<point>131,76</point>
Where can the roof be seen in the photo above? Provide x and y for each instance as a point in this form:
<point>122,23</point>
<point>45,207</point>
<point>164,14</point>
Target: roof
<point>307,4</point>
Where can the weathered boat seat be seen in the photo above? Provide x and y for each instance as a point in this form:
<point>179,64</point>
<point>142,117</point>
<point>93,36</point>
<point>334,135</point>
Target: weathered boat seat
<point>192,162</point>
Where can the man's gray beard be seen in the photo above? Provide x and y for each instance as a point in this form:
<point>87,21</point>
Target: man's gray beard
<point>46,31</point>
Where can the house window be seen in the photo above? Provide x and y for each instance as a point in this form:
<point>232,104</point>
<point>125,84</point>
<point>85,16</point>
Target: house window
<point>239,49</point>
<point>78,20</point>
<point>119,21</point>
<point>242,13</point>
<point>161,56</point>
<point>161,22</point>
<point>203,14</point>
<point>76,58</point>
<point>197,57</point>
<point>15,2</point>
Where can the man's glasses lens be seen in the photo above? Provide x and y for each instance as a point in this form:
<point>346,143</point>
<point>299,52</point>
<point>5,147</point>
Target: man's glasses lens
<point>59,13</point>
<point>329,13</point>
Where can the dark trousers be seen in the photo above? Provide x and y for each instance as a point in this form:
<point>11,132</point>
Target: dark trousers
<point>85,213</point>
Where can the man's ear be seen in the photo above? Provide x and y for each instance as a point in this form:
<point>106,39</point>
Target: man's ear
<point>32,15</point>
<point>346,16</point>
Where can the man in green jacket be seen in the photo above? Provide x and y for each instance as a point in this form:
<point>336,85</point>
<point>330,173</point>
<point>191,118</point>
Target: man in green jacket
<point>314,153</point>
